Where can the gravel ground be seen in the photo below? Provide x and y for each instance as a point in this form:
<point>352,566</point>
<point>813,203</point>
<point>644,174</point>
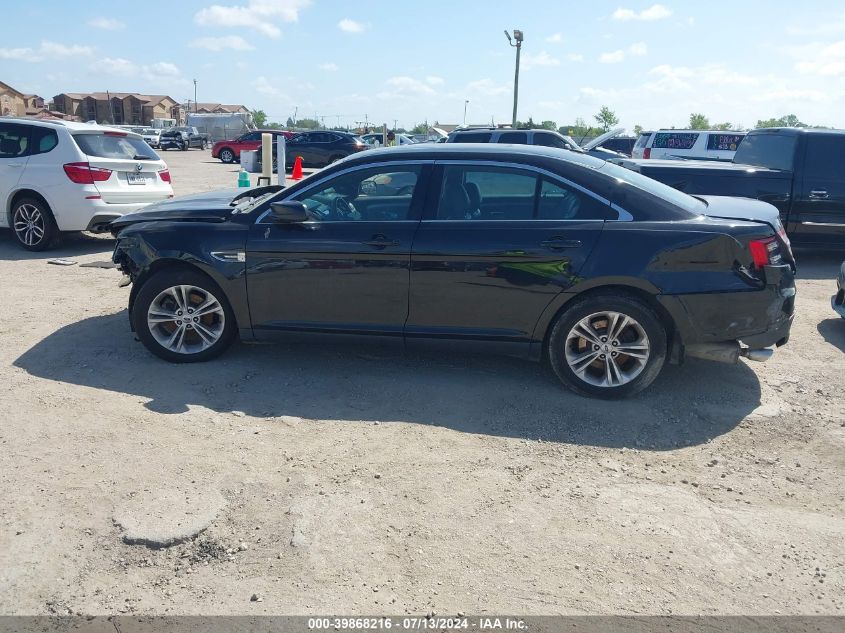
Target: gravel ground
<point>347,480</point>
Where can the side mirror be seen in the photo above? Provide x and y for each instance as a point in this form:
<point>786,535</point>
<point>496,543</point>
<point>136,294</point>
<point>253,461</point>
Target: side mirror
<point>289,211</point>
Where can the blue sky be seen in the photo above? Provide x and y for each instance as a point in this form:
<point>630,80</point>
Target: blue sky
<point>653,63</point>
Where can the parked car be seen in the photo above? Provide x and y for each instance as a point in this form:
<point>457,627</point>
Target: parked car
<point>622,144</point>
<point>183,138</point>
<point>838,300</point>
<point>58,176</point>
<point>152,136</point>
<point>372,139</point>
<point>688,144</point>
<point>545,138</point>
<point>319,148</point>
<point>538,253</point>
<point>797,170</point>
<point>230,151</point>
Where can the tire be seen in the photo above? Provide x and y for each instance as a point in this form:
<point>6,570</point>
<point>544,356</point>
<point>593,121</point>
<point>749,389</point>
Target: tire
<point>186,145</point>
<point>172,293</point>
<point>227,155</point>
<point>203,145</point>
<point>33,225</point>
<point>605,371</point>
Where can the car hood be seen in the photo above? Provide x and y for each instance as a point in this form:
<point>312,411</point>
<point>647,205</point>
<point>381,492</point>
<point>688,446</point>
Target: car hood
<point>211,206</point>
<point>596,142</point>
<point>730,208</point>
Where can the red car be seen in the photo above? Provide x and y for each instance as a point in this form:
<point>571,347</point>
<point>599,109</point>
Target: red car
<point>230,151</point>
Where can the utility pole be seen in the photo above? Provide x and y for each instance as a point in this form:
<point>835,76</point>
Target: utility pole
<point>195,96</point>
<point>517,37</point>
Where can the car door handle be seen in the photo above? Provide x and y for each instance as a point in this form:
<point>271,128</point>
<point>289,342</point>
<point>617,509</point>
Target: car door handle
<point>559,244</point>
<point>14,164</point>
<point>819,194</point>
<point>381,241</point>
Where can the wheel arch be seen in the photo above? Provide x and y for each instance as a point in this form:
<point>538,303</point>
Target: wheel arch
<point>23,193</point>
<point>638,290</point>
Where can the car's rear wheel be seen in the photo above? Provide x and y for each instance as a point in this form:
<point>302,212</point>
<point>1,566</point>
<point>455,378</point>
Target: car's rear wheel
<point>33,225</point>
<point>186,146</point>
<point>608,346</point>
<point>204,145</point>
<point>182,316</point>
<point>227,155</point>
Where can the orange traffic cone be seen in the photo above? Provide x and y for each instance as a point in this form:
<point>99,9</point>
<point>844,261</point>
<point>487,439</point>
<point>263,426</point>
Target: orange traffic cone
<point>297,169</point>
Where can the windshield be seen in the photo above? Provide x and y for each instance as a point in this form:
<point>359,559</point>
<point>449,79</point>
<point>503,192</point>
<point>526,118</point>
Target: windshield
<point>248,204</point>
<point>772,151</point>
<point>652,187</point>
<point>114,145</point>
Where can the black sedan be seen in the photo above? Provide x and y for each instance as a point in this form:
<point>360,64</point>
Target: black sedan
<point>534,252</point>
<point>319,149</point>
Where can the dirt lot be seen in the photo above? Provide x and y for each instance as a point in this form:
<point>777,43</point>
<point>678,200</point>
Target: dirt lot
<point>358,481</point>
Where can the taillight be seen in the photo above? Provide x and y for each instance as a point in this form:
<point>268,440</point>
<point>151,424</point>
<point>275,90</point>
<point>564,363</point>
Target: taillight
<point>764,252</point>
<point>647,152</point>
<point>164,175</point>
<point>84,174</point>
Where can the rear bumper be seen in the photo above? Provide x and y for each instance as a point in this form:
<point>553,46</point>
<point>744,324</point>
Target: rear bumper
<point>756,318</point>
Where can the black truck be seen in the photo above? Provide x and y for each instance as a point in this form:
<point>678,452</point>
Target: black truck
<point>800,171</point>
<point>183,138</point>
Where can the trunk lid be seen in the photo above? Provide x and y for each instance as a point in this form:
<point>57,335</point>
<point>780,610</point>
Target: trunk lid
<point>134,167</point>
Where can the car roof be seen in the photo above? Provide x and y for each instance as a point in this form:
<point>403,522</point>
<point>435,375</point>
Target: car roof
<point>73,126</point>
<point>700,131</point>
<point>473,151</point>
<point>797,130</point>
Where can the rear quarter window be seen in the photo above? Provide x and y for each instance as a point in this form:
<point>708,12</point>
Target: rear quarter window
<point>642,141</point>
<point>674,140</point>
<point>113,146</point>
<point>724,142</point>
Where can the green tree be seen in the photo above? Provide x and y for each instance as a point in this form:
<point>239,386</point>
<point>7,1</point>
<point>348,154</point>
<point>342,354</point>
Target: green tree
<point>420,128</point>
<point>289,123</point>
<point>725,126</point>
<point>260,117</point>
<point>638,129</point>
<point>698,121</point>
<point>606,118</point>
<point>789,120</point>
<point>308,124</point>
<point>579,130</point>
<point>548,125</point>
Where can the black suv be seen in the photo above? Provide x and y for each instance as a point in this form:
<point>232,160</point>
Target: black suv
<point>319,148</point>
<point>537,252</point>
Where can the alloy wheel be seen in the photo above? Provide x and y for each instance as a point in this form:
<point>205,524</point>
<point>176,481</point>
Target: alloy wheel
<point>186,319</point>
<point>30,225</point>
<point>607,349</point>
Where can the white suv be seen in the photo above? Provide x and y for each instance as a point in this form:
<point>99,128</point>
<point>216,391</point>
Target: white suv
<point>64,176</point>
<point>688,144</point>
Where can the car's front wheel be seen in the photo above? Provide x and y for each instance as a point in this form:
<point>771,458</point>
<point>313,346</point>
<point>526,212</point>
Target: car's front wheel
<point>33,225</point>
<point>608,346</point>
<point>182,316</point>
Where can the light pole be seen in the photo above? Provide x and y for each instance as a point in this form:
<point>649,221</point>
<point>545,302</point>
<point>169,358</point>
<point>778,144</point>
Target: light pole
<point>517,37</point>
<point>466,102</point>
<point>195,96</point>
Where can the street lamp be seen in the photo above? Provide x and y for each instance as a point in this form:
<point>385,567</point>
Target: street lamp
<point>517,37</point>
<point>466,102</point>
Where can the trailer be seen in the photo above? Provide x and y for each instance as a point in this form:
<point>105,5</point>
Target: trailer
<point>220,127</point>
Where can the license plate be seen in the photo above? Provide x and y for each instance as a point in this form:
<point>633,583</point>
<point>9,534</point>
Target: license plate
<point>136,179</point>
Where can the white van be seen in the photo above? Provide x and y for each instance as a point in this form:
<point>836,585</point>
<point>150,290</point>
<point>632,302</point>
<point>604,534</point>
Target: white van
<point>688,144</point>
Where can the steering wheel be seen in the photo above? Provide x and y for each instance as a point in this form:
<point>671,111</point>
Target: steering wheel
<point>343,209</point>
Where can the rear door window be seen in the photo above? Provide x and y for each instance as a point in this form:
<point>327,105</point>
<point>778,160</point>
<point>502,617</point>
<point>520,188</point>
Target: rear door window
<point>823,160</point>
<point>252,136</point>
<point>14,140</point>
<point>514,138</point>
<point>773,151</point>
<point>674,140</point>
<point>486,193</point>
<point>114,146</point>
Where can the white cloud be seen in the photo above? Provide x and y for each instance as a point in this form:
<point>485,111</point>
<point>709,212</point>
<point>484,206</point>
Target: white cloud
<point>405,87</point>
<point>47,51</point>
<point>434,80</point>
<point>328,66</point>
<point>351,26</point>
<point>487,88</point>
<point>575,57</point>
<point>257,14</point>
<point>542,58</point>
<point>612,58</point>
<point>263,85</point>
<point>107,24</point>
<point>165,72</point>
<point>555,38</point>
<point>227,42</point>
<point>638,49</point>
<point>654,12</point>
<point>827,60</point>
